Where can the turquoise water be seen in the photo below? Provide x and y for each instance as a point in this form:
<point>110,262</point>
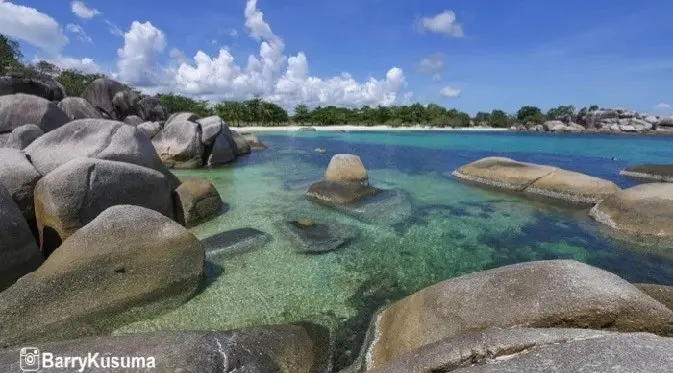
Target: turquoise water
<point>434,227</point>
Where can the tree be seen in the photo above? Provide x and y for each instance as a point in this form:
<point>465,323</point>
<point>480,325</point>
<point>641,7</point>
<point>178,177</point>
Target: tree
<point>530,114</point>
<point>177,103</point>
<point>10,55</point>
<point>301,114</point>
<point>561,112</point>
<point>499,119</point>
<point>75,81</point>
<point>482,118</point>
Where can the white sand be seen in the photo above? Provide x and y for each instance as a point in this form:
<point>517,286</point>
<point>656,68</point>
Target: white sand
<point>365,128</point>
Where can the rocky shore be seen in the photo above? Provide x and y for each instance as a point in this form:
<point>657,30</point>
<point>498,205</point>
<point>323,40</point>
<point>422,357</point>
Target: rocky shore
<point>94,236</point>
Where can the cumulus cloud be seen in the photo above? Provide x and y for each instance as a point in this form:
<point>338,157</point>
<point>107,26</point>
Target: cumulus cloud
<point>450,92</point>
<point>38,29</point>
<point>442,23</point>
<point>86,65</point>
<point>274,76</point>
<point>79,31</point>
<point>137,58</point>
<point>81,10</point>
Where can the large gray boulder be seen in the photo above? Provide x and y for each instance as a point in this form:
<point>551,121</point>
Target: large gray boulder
<point>179,144</point>
<point>95,138</point>
<point>18,252</point>
<point>540,180</point>
<point>302,348</point>
<point>150,129</point>
<point>100,93</point>
<point>241,144</point>
<point>124,103</point>
<point>22,136</point>
<point>197,201</point>
<point>79,108</point>
<point>657,172</point>
<point>222,152</point>
<point>340,193</point>
<point>151,109</point>
<point>46,87</point>
<point>182,117</point>
<point>19,176</point>
<point>542,294</point>
<point>539,351</point>
<point>210,128</point>
<point>662,293</point>
<point>128,264</point>
<point>346,167</point>
<point>644,211</point>
<point>255,143</point>
<point>19,109</point>
<point>74,194</point>
<point>133,120</point>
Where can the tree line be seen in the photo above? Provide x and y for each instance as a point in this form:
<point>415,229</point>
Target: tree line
<point>258,112</point>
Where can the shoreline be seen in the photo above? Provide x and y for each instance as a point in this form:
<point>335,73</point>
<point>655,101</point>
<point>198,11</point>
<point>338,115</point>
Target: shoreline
<point>362,128</point>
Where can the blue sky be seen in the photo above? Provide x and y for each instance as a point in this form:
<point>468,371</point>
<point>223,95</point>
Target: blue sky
<point>496,54</point>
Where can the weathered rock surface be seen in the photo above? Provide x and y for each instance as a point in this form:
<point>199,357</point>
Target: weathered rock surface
<point>22,136</point>
<point>151,109</point>
<point>100,93</point>
<point>242,146</point>
<point>18,252</point>
<point>150,129</point>
<point>657,172</point>
<point>79,108</point>
<point>124,103</point>
<point>301,348</point>
<point>340,193</point>
<point>95,138</point>
<point>179,144</point>
<point>540,350</point>
<point>47,88</point>
<point>19,109</point>
<point>19,176</point>
<point>182,117</point>
<point>197,201</point>
<point>222,152</point>
<point>210,128</point>
<point>318,238</point>
<point>133,120</point>
<point>662,293</point>
<point>550,182</point>
<point>644,211</point>
<point>127,264</point>
<point>542,294</point>
<point>74,194</point>
<point>235,242</point>
<point>346,167</point>
<point>254,142</point>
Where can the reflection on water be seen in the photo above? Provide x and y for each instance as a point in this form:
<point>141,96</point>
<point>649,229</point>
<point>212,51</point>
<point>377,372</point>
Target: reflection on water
<point>434,229</point>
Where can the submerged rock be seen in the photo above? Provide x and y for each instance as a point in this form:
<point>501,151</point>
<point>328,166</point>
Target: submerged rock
<point>339,193</point>
<point>74,194</point>
<point>197,201</point>
<point>559,293</point>
<point>79,108</point>
<point>254,142</point>
<point>19,109</point>
<point>19,254</point>
<point>105,275</point>
<point>235,242</point>
<point>657,172</point>
<point>539,351</point>
<point>302,348</point>
<point>642,211</point>
<point>546,181</point>
<point>319,238</point>
<point>388,207</point>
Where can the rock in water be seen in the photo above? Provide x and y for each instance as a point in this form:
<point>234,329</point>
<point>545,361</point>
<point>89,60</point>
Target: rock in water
<point>95,138</point>
<point>340,193</point>
<point>222,151</point>
<point>19,176</point>
<point>210,128</point>
<point>79,108</point>
<point>100,93</point>
<point>539,351</point>
<point>657,172</point>
<point>198,201</point>
<point>573,187</point>
<point>542,294</point>
<point>254,142</point>
<point>77,192</point>
<point>128,264</point>
<point>179,144</point>
<point>302,348</point>
<point>318,238</point>
<point>242,146</point>
<point>347,168</point>
<point>19,109</point>
<point>642,211</point>
<point>235,242</point>
<point>22,136</point>
<point>18,252</point>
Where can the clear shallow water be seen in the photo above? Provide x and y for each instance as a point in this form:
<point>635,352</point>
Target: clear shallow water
<point>449,228</point>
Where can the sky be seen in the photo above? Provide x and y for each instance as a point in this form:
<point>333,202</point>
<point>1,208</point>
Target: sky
<point>474,55</point>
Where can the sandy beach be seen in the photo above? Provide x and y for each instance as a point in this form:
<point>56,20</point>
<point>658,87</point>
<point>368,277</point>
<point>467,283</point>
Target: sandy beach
<point>363,128</point>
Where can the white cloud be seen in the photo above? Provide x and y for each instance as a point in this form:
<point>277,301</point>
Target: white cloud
<point>663,106</point>
<point>28,24</point>
<point>432,65</point>
<point>113,28</point>
<point>450,92</point>
<point>81,10</point>
<point>233,33</point>
<point>86,65</point>
<point>79,31</point>
<point>442,23</point>
<point>137,58</point>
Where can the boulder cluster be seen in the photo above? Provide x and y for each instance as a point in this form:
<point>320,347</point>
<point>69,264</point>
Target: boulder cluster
<point>602,120</point>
